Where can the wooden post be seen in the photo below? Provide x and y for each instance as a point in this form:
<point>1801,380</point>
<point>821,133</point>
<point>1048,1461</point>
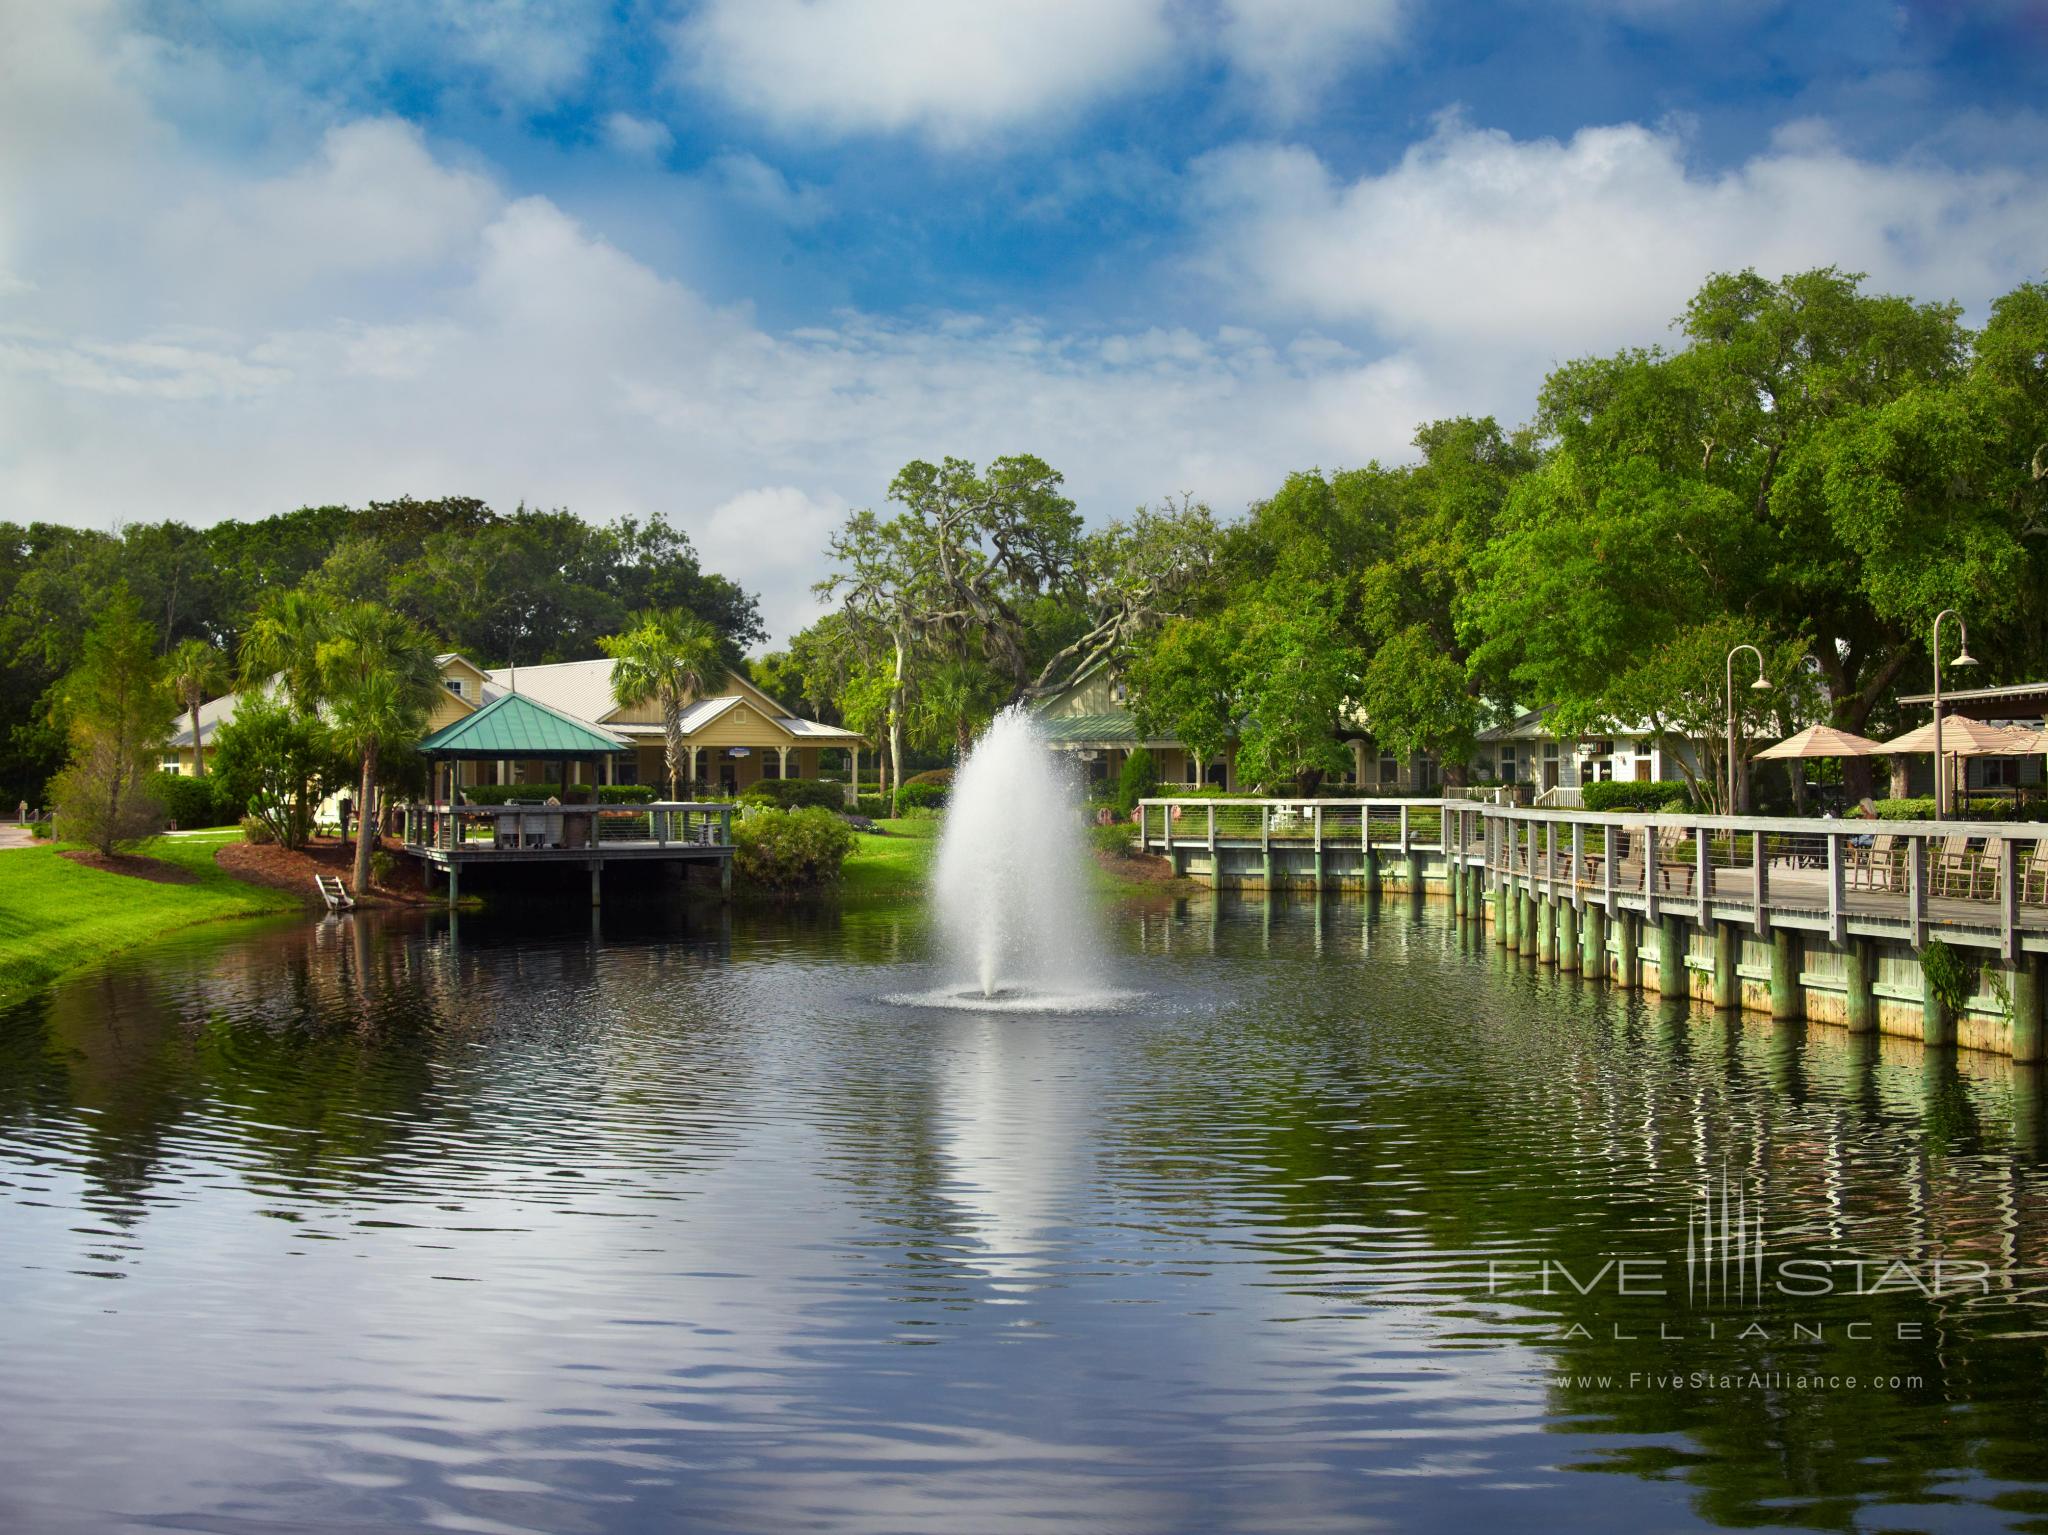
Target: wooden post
<point>1265,845</point>
<point>1316,827</point>
<point>1760,880</point>
<point>1546,930</point>
<point>2009,900</point>
<point>1509,929</point>
<point>454,882</point>
<point>1212,839</point>
<point>1593,962</point>
<point>1631,951</point>
<point>1673,979</point>
<point>1567,937</point>
<point>1859,962</point>
<point>1727,980</point>
<point>2024,982</point>
<point>1916,890</point>
<point>596,882</point>
<point>1649,873</point>
<point>1788,1000</point>
<point>1837,922</point>
<point>1530,920</point>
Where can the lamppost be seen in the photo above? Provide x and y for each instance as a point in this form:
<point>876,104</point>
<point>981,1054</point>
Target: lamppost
<point>1761,685</point>
<point>1963,658</point>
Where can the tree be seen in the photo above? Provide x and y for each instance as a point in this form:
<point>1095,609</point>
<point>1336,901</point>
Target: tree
<point>953,701</point>
<point>671,659</point>
<point>379,681</point>
<point>197,672</point>
<point>1182,685</point>
<point>117,711</point>
<point>284,641</point>
<point>1135,576</point>
<point>1296,678</point>
<point>277,764</point>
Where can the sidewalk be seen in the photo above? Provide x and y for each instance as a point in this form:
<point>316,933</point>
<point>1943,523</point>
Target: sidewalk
<point>12,835</point>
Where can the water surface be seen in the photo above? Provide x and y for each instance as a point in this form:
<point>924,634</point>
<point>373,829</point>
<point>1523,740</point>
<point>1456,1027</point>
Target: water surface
<point>677,1222</point>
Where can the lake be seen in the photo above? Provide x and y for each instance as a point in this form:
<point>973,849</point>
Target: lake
<point>681,1220</point>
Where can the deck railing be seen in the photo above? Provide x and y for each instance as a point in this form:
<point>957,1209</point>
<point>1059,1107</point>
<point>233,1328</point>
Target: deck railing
<point>1986,876</point>
<point>483,829</point>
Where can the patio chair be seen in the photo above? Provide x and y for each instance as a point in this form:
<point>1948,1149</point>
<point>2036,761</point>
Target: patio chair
<point>1875,867</point>
<point>1958,870</point>
<point>2034,875</point>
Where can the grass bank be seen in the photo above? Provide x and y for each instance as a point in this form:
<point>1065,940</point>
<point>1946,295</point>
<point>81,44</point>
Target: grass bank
<point>893,868</point>
<point>57,916</point>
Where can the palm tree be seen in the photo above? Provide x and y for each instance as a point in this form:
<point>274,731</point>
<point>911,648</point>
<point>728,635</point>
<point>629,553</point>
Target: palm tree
<point>670,658</point>
<point>379,681</point>
<point>283,641</point>
<point>196,672</point>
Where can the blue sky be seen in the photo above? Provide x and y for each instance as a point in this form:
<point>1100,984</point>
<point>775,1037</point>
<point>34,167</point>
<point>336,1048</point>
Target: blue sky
<point>735,260</point>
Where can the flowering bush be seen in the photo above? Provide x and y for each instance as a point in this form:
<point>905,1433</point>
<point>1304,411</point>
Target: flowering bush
<point>790,850</point>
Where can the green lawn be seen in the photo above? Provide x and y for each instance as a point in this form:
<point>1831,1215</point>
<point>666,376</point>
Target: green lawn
<point>57,916</point>
<point>893,868</point>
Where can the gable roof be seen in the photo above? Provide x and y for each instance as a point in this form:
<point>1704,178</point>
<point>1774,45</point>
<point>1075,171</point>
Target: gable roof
<point>517,725</point>
<point>584,689</point>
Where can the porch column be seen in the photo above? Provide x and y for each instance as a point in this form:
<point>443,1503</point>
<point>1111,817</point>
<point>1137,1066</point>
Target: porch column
<point>853,787</point>
<point>782,761</point>
<point>690,769</point>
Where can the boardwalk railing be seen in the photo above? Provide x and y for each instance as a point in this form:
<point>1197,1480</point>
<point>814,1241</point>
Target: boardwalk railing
<point>485,829</point>
<point>1983,882</point>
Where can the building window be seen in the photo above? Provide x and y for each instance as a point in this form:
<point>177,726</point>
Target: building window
<point>626,768</point>
<point>169,765</point>
<point>1390,768</point>
<point>453,685</point>
<point>771,763</point>
<point>1507,765</point>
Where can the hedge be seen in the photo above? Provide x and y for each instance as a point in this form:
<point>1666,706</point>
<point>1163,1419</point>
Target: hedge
<point>920,793</point>
<point>796,794</point>
<point>1657,794</point>
<point>191,802</point>
<point>790,850</point>
<point>1921,808</point>
<point>540,793</point>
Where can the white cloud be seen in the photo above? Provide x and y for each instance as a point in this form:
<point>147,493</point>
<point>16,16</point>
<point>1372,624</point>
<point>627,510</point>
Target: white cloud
<point>761,186</point>
<point>641,136</point>
<point>1291,51</point>
<point>1476,242</point>
<point>857,66</point>
<point>965,73</point>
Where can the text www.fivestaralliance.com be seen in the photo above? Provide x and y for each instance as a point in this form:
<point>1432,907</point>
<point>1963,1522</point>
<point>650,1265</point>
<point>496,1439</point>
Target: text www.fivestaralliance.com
<point>1737,1380</point>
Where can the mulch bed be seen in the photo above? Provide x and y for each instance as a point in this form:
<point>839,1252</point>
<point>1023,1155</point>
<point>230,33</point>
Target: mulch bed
<point>135,867</point>
<point>1148,867</point>
<point>292,869</point>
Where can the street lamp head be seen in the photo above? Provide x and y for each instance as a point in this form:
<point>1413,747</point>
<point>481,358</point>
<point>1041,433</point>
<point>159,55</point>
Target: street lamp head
<point>1965,659</point>
<point>1761,685</point>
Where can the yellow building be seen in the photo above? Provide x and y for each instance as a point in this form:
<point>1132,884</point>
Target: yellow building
<point>733,739</point>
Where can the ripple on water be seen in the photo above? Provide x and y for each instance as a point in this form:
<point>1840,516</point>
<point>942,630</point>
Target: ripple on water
<point>534,1226</point>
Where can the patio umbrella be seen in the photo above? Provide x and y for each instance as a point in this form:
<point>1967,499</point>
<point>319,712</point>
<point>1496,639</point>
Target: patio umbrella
<point>1823,741</point>
<point>1961,736</point>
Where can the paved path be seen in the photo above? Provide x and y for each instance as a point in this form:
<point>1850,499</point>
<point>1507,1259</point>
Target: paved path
<point>15,836</point>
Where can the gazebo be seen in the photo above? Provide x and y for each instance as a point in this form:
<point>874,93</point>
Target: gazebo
<point>515,728</point>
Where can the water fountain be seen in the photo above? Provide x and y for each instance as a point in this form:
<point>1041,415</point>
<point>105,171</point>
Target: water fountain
<point>1010,883</point>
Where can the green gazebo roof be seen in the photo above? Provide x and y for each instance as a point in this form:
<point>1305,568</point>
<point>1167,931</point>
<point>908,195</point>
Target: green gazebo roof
<point>513,725</point>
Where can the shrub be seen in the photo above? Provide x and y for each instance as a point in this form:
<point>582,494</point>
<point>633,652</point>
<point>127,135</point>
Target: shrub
<point>505,793</point>
<point>382,867</point>
<point>626,794</point>
<point>790,850</point>
<point>921,794</point>
<point>873,806</point>
<point>1118,838</point>
<point>796,794</point>
<point>1922,809</point>
<point>191,802</point>
<point>940,776</point>
<point>257,831</point>
<point>1655,795</point>
<point>1947,976</point>
<point>1137,779</point>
